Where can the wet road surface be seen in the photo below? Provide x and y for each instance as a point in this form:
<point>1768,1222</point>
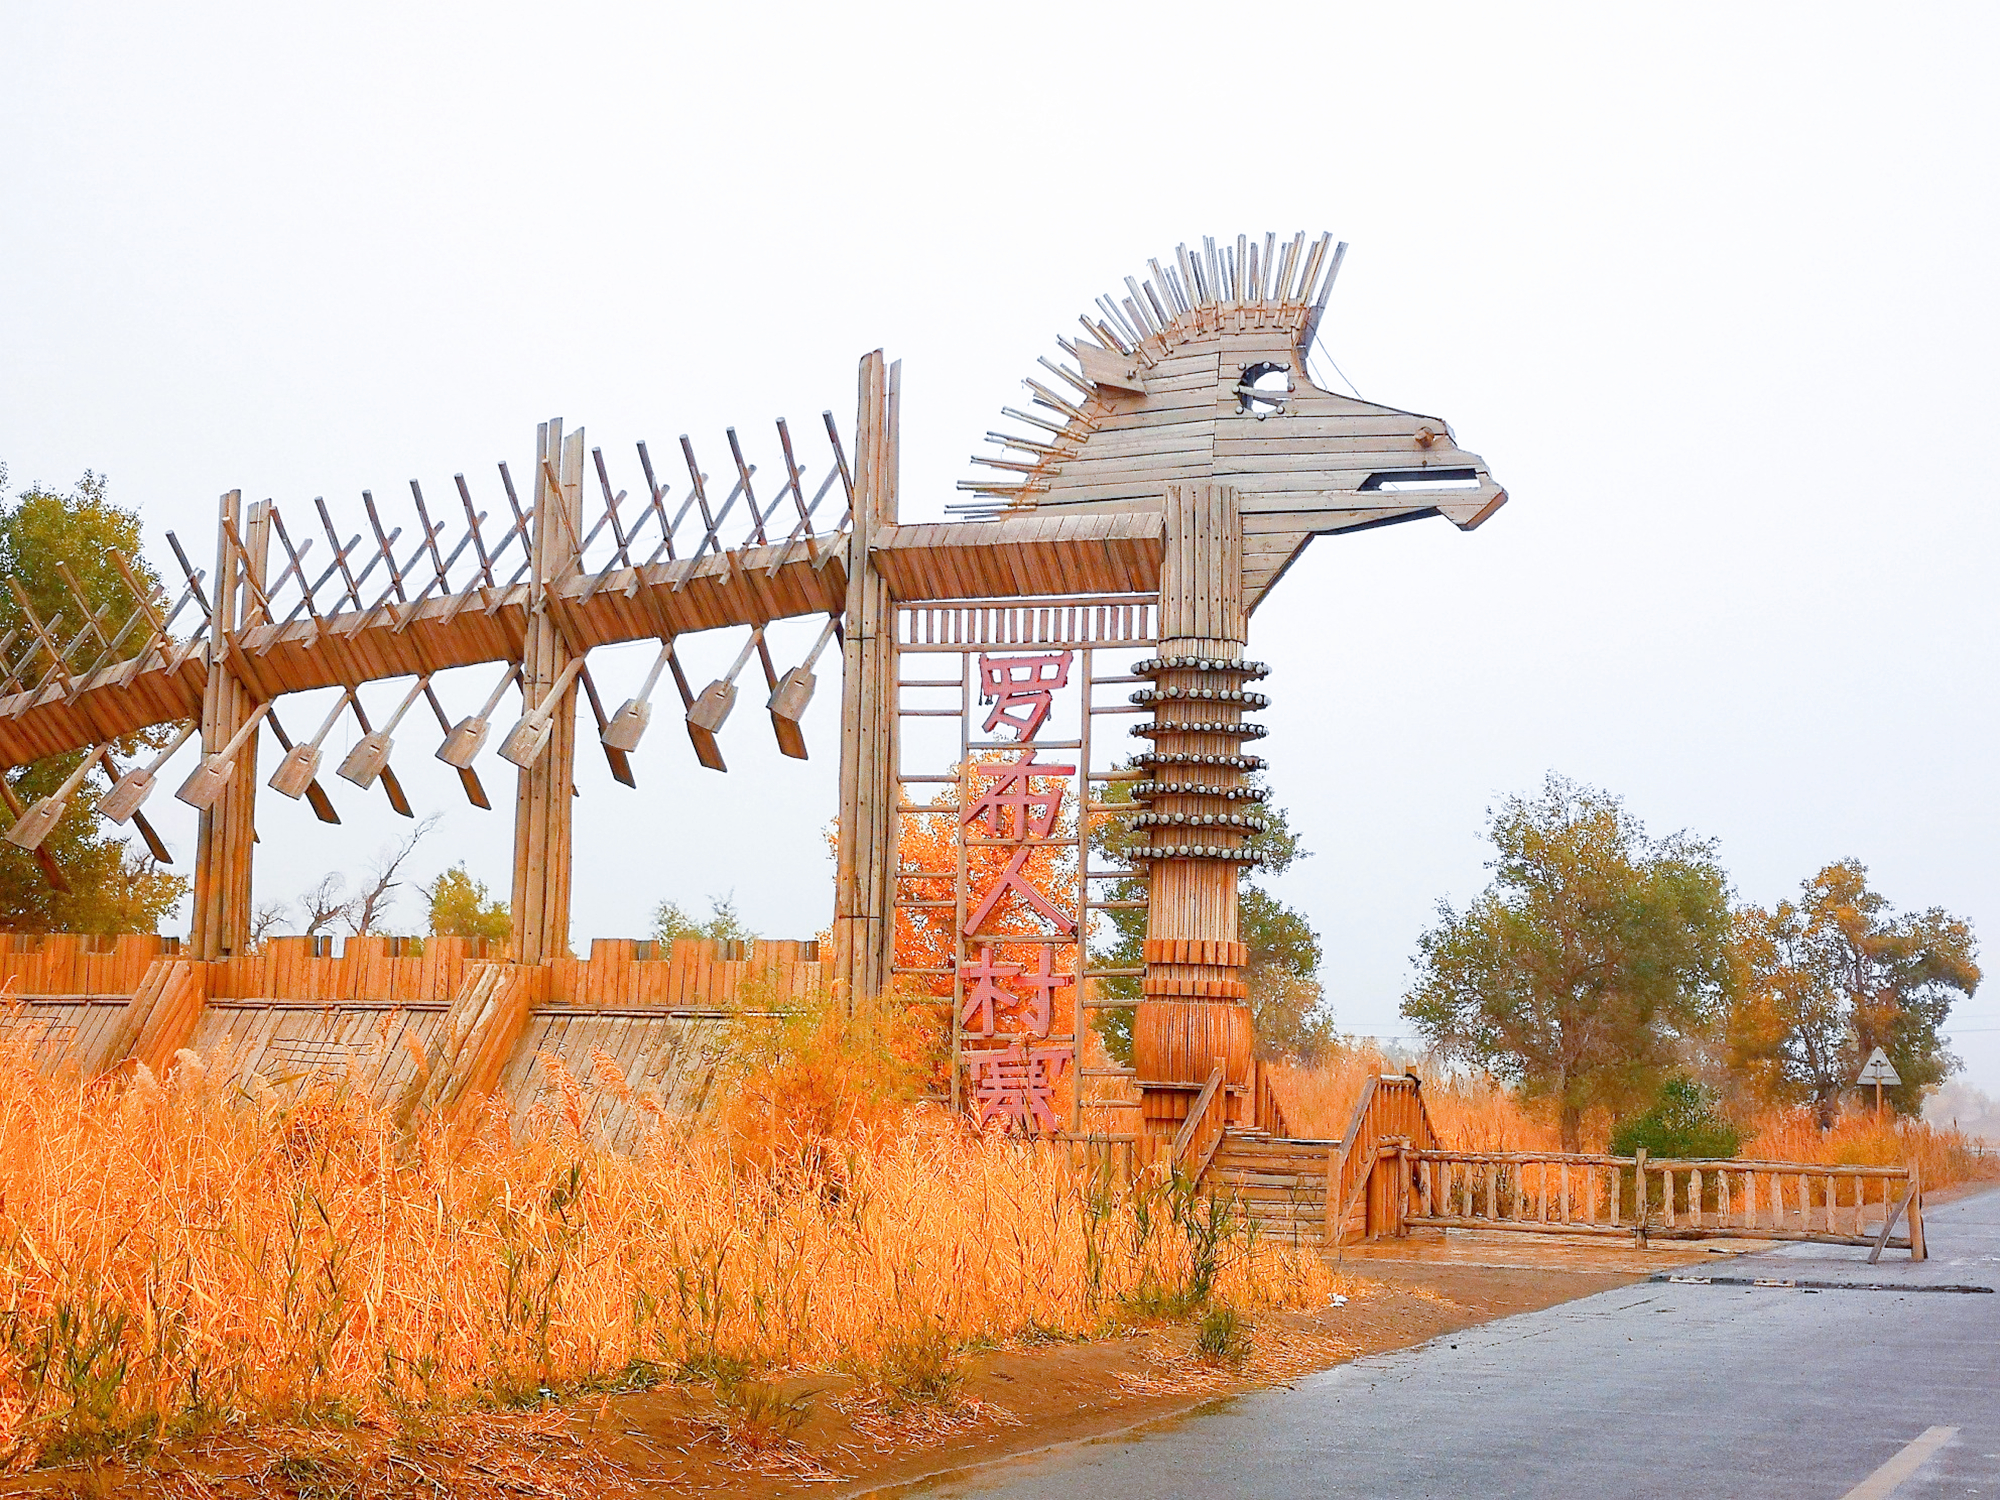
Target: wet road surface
<point>1658,1389</point>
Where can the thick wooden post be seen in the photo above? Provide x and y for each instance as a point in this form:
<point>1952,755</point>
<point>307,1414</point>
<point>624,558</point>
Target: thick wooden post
<point>865,861</point>
<point>1192,1015</point>
<point>542,810</point>
<point>227,832</point>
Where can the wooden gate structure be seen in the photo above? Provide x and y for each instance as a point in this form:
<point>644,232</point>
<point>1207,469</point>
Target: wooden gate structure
<point>1175,461</point>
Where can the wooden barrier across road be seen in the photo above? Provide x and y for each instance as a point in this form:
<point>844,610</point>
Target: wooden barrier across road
<point>1722,1198</point>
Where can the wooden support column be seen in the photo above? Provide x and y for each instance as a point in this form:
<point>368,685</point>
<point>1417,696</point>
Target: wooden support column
<point>227,831</point>
<point>1193,1014</point>
<point>864,879</point>
<point>542,804</point>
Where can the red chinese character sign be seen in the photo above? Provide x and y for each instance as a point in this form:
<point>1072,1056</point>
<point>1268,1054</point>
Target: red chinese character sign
<point>1020,926</point>
<point>1022,690</point>
<point>995,763</point>
<point>1017,1085</point>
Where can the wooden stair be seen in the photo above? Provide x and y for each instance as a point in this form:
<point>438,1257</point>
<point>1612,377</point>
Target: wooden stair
<point>1278,1184</point>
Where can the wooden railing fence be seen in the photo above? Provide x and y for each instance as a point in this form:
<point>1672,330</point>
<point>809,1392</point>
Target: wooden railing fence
<point>1576,1193</point>
<point>1266,1112</point>
<point>1389,1113</point>
<point>1201,1132</point>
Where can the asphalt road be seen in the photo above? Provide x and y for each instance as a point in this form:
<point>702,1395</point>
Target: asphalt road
<point>1654,1389</point>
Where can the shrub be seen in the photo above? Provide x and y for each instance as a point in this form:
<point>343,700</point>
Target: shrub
<point>1684,1122</point>
<point>1223,1338</point>
<point>761,1414</point>
<point>807,1080</point>
<point>922,1367</point>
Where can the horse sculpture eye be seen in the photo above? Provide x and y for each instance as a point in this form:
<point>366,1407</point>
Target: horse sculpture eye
<point>1262,389</point>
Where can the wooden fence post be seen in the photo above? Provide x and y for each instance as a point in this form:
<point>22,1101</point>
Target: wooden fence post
<point>1917,1247</point>
<point>1639,1199</point>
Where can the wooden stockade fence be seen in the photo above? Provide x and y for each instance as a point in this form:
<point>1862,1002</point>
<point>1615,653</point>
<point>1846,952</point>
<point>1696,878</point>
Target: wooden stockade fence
<point>691,972</point>
<point>657,1015</point>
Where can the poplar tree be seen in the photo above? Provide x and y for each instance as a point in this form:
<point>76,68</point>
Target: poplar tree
<point>1591,953</point>
<point>1827,979</point>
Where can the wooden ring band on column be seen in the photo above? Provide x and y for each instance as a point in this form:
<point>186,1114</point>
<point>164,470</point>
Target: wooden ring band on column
<point>1168,987</point>
<point>1197,951</point>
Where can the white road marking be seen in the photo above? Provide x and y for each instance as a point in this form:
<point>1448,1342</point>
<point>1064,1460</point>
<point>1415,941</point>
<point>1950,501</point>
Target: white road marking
<point>1886,1480</point>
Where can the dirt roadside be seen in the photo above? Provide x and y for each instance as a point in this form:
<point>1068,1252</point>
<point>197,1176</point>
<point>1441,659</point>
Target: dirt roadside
<point>1018,1400</point>
<point>824,1435</point>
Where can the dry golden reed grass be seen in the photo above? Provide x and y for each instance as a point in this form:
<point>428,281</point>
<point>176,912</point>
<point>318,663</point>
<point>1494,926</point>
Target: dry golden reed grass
<point>1943,1157</point>
<point>184,1254</point>
<point>1475,1113</point>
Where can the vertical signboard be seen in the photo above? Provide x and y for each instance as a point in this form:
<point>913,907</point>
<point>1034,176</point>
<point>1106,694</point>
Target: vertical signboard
<point>1001,768</point>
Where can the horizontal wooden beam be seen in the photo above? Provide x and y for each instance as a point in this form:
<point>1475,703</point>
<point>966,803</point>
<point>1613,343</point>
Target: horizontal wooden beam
<point>751,586</point>
<point>1025,556</point>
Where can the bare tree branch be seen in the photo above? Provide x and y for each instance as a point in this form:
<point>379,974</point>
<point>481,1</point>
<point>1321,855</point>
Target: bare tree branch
<point>325,904</point>
<point>372,902</point>
<point>267,920</point>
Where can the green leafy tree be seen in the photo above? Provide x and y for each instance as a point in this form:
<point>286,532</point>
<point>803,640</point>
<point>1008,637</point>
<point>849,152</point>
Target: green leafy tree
<point>724,924</point>
<point>114,887</point>
<point>1828,978</point>
<point>42,534</point>
<point>1686,1121</point>
<point>1288,1009</point>
<point>1589,954</point>
<point>464,907</point>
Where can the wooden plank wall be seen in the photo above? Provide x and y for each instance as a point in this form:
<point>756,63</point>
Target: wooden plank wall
<point>75,963</point>
<point>668,1059</point>
<point>290,1018</point>
<point>696,974</point>
<point>55,1031</point>
<point>292,1045</point>
<point>616,1058</point>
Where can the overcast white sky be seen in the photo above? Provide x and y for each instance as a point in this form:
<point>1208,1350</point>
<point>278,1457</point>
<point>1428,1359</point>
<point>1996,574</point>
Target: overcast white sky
<point>1710,287</point>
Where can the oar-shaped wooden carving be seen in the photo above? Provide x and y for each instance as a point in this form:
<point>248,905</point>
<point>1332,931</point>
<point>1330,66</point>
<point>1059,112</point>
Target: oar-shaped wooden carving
<point>36,824</point>
<point>156,845</point>
<point>130,789</point>
<point>322,805</point>
<point>369,758</point>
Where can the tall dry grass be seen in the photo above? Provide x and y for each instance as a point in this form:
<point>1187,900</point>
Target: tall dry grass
<point>183,1254</point>
<point>1944,1157</point>
<point>1473,1112</point>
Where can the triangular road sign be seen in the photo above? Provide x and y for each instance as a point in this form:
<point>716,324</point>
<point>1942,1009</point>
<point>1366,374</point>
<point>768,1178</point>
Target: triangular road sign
<point>1878,1070</point>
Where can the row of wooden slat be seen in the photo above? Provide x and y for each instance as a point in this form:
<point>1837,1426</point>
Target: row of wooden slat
<point>694,973</point>
<point>71,963</point>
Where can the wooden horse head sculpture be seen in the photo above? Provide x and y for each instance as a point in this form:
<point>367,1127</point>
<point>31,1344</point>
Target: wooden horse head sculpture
<point>1198,373</point>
